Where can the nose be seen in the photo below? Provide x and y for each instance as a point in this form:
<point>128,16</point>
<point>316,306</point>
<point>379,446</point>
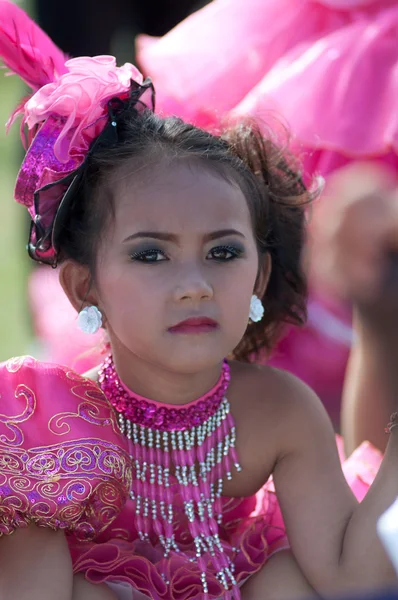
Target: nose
<point>192,284</point>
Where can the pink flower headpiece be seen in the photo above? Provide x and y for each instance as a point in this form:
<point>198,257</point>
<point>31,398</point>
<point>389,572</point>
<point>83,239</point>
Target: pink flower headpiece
<point>75,102</point>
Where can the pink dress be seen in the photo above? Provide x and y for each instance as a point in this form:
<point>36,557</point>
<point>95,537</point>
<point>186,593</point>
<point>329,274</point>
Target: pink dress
<point>64,464</point>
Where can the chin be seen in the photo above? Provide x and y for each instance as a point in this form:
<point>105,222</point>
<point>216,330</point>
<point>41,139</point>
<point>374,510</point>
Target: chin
<point>195,355</point>
<point>194,360</point>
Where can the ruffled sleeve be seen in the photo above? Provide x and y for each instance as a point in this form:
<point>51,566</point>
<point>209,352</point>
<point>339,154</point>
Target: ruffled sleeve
<point>63,461</point>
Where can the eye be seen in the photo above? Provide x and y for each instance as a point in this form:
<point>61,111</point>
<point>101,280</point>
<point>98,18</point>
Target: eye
<point>149,256</point>
<point>224,253</point>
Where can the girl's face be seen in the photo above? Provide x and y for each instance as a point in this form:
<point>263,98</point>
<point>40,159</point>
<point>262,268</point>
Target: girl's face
<point>176,272</point>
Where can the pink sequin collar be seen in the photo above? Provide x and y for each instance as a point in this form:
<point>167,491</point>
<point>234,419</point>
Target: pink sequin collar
<point>156,415</point>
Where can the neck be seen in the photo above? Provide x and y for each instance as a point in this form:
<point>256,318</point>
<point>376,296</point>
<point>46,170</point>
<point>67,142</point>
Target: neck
<point>168,387</point>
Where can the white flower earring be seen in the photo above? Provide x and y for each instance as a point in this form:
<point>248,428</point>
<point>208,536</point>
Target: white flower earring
<point>89,319</point>
<point>256,309</point>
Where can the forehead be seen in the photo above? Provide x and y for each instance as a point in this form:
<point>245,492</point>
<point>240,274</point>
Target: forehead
<point>182,195</point>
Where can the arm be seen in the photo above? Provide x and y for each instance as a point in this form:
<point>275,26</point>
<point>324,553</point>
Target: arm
<point>333,538</point>
<point>35,564</point>
<point>367,399</point>
<point>63,466</point>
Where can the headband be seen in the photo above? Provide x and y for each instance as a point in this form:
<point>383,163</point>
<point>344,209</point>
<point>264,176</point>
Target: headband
<point>74,107</point>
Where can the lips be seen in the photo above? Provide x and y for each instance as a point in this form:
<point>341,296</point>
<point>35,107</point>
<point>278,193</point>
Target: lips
<point>195,325</point>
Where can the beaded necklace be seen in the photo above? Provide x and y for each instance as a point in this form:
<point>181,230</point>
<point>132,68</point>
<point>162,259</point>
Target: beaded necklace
<point>198,439</point>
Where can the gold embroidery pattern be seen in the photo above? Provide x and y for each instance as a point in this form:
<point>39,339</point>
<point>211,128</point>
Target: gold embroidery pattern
<point>14,364</point>
<point>78,486</point>
<point>10,421</point>
<point>95,409</point>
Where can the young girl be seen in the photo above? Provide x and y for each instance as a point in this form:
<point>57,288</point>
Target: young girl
<point>152,468</point>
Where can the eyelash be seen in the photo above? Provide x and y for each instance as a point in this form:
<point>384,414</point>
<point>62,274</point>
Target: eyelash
<point>141,256</point>
<point>233,250</point>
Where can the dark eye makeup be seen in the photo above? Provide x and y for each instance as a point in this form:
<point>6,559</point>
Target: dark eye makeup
<point>222,253</point>
<point>150,255</point>
<point>225,253</point>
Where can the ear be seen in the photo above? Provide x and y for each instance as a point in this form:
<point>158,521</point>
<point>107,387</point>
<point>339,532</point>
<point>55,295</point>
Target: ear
<point>76,282</point>
<point>263,275</point>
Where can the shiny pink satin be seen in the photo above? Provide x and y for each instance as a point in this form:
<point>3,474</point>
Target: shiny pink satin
<point>338,92</point>
<point>309,62</point>
<point>41,167</point>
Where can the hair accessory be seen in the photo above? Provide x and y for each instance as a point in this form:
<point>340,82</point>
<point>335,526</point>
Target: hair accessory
<point>73,105</point>
<point>89,319</point>
<point>256,309</point>
<point>198,440</point>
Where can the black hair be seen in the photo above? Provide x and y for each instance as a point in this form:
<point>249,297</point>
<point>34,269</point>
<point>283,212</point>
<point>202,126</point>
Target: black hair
<point>268,176</point>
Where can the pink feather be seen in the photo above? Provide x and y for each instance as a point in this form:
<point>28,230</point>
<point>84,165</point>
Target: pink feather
<point>26,50</point>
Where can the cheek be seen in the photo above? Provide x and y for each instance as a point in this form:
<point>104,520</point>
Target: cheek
<point>237,287</point>
<point>123,294</point>
<point>135,299</point>
<point>132,297</point>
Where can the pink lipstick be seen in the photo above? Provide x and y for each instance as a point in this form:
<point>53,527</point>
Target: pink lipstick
<point>195,325</point>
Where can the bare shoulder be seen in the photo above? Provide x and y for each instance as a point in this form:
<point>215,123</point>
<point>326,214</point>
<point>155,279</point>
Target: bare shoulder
<point>272,389</point>
<point>275,405</point>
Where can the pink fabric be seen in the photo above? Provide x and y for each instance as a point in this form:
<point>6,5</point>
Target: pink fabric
<point>63,464</point>
<point>347,4</point>
<point>335,107</point>
<point>40,168</point>
<point>252,525</point>
<point>63,461</point>
<point>325,67</point>
<point>266,58</point>
<point>80,97</point>
<point>361,468</point>
<point>26,49</point>
<point>221,52</point>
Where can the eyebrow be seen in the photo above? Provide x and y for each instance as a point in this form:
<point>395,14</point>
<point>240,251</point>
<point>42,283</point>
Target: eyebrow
<point>172,237</point>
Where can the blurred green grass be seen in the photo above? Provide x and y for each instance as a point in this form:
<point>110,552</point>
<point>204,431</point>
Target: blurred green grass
<point>15,330</point>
